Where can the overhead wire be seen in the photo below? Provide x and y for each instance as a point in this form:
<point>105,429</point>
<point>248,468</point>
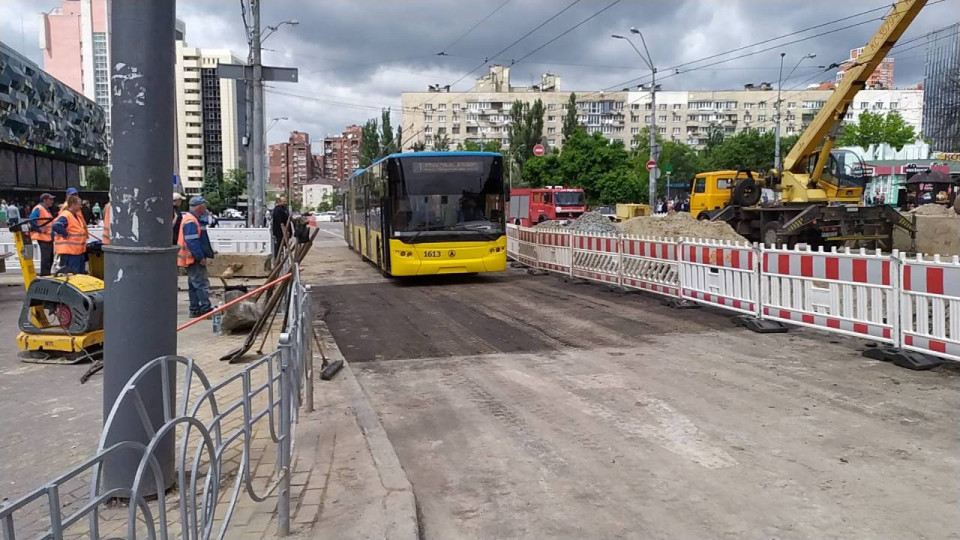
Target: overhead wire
<point>472,28</point>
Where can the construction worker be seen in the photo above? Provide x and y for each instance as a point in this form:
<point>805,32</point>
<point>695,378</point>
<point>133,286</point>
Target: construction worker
<point>177,217</point>
<point>41,231</point>
<point>106,224</point>
<point>195,249</point>
<point>70,236</point>
<point>70,191</point>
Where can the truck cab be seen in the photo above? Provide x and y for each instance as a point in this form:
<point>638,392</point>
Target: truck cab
<point>711,191</point>
<point>529,206</point>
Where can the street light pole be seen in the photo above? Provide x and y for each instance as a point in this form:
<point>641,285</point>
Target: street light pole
<point>654,148</point>
<point>776,130</point>
<point>259,181</point>
<point>776,155</point>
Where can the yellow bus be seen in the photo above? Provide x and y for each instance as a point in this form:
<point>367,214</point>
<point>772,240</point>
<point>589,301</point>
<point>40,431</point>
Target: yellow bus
<point>427,213</point>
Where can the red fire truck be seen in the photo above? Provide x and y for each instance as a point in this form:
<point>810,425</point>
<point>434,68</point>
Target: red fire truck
<point>529,206</point>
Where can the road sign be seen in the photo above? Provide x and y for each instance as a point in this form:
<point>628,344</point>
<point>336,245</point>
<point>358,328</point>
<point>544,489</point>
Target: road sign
<point>539,150</point>
<point>669,169</point>
<point>241,72</point>
<point>651,165</point>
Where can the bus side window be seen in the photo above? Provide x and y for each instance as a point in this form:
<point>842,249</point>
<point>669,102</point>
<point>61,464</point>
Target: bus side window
<point>701,185</point>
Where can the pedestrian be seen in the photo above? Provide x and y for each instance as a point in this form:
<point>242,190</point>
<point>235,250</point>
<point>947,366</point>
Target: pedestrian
<point>3,212</point>
<point>279,218</point>
<point>177,217</point>
<point>97,211</point>
<point>41,231</point>
<point>87,212</point>
<point>70,236</point>
<point>13,212</point>
<point>195,249</point>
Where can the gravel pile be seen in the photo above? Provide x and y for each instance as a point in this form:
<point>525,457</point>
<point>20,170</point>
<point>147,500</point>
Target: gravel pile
<point>593,222</point>
<point>550,224</point>
<point>680,225</point>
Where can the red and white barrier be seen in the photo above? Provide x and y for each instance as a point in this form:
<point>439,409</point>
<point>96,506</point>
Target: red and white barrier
<point>852,293</point>
<point>527,246</point>
<point>596,257</point>
<point>930,306</point>
<point>553,250</point>
<point>722,274</point>
<point>650,264</point>
<point>513,232</point>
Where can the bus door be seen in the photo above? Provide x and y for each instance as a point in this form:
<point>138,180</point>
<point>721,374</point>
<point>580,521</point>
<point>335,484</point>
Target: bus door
<point>366,221</point>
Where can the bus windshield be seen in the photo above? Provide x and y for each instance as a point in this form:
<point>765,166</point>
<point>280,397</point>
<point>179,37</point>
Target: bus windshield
<point>453,196</point>
<point>568,198</point>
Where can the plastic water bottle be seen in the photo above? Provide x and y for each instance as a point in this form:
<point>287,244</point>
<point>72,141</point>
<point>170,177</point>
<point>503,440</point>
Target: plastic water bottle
<point>217,319</point>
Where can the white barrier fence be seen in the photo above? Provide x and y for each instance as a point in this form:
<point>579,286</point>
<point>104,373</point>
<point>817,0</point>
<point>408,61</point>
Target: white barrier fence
<point>911,304</point>
<point>228,240</point>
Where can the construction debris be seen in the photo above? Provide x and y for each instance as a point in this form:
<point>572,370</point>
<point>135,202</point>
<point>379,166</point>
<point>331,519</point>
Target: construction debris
<point>680,225</point>
<point>593,222</point>
<point>937,210</point>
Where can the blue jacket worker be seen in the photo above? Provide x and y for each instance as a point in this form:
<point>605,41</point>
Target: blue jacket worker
<point>195,250</point>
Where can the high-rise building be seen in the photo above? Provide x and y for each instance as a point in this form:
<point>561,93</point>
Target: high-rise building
<point>941,90</point>
<point>341,154</point>
<point>882,77</point>
<point>75,39</point>
<point>211,115</point>
<point>684,116</point>
<point>292,164</point>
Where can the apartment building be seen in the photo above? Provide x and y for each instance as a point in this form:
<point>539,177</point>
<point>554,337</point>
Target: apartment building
<point>683,116</point>
<point>341,153</point>
<point>882,77</point>
<point>211,115</point>
<point>291,164</point>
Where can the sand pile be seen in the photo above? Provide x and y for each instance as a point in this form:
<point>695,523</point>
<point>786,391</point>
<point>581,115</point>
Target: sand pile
<point>680,225</point>
<point>937,210</point>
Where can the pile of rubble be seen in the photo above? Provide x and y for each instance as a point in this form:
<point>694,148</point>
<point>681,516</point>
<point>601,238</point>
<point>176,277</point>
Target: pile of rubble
<point>680,225</point>
<point>593,222</point>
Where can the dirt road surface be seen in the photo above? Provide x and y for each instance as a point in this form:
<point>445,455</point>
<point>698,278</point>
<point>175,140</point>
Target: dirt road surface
<point>525,407</point>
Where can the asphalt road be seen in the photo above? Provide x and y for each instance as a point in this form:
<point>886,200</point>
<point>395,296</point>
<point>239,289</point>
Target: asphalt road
<point>526,407</point>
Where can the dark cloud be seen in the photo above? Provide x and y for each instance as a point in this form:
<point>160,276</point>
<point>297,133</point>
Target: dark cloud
<point>356,56</point>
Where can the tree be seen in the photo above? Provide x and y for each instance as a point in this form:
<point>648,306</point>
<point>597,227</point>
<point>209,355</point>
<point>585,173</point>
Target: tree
<point>441,143</point>
<point>526,131</point>
<point>684,161</point>
<point>210,190</point>
<point>398,141</point>
<point>872,129</point>
<point>388,145</point>
<point>331,201</point>
<point>570,124</point>
<point>748,149</point>
<point>369,143</point>
<point>474,146</point>
<point>418,146</point>
<point>98,178</point>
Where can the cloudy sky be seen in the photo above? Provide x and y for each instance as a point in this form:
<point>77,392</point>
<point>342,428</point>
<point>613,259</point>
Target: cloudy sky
<point>356,56</point>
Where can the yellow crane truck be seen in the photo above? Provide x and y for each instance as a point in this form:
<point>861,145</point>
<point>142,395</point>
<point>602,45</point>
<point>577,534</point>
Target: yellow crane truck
<point>820,189</point>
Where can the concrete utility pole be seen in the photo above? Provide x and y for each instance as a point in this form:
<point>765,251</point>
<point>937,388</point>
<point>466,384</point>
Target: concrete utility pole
<point>654,147</point>
<point>259,134</point>
<point>141,272</point>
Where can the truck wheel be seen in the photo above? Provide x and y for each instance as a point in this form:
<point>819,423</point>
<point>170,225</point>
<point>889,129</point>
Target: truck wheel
<point>771,234</point>
<point>703,216</point>
<point>541,219</point>
<point>746,192</point>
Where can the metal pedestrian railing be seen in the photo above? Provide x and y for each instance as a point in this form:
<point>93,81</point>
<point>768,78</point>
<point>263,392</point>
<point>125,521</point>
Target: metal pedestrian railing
<point>215,448</point>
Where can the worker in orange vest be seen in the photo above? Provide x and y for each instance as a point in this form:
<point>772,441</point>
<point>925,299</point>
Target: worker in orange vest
<point>195,249</point>
<point>70,237</point>
<point>106,224</point>
<point>41,231</point>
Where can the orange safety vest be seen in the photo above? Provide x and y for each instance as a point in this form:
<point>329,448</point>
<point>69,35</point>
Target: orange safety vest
<point>106,224</point>
<point>45,234</point>
<point>185,257</point>
<point>75,243</point>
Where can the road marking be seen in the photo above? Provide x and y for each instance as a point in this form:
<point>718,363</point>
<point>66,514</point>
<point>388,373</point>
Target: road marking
<point>340,236</point>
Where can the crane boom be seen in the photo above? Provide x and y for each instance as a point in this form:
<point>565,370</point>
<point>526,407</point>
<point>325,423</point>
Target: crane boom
<point>827,121</point>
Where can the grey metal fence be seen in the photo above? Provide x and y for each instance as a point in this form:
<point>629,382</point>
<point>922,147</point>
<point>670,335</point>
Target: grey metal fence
<point>214,450</point>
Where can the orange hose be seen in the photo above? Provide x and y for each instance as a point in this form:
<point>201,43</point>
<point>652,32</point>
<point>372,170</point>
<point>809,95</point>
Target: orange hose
<point>207,315</point>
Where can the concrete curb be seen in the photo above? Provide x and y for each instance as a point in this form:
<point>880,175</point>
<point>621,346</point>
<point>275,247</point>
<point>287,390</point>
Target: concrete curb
<point>400,505</point>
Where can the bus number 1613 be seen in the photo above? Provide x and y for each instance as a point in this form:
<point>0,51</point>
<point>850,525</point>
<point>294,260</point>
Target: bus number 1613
<point>431,253</point>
